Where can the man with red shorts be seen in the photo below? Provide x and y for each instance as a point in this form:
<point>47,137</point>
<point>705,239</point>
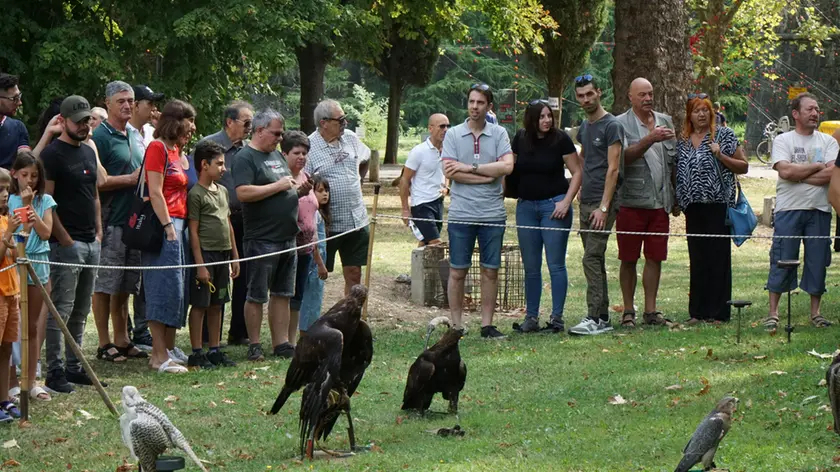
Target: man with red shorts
<point>646,197</point>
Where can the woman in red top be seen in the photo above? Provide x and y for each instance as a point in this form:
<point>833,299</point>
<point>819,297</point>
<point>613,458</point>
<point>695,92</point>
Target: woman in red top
<point>167,186</point>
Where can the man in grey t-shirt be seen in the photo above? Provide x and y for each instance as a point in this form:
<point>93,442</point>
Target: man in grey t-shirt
<point>476,155</point>
<point>601,137</point>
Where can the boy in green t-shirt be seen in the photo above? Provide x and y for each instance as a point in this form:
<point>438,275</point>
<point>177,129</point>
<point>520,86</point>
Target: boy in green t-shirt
<point>211,240</point>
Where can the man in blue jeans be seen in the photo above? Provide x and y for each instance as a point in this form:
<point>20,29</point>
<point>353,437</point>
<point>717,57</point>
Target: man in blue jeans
<point>476,155</point>
<point>70,171</point>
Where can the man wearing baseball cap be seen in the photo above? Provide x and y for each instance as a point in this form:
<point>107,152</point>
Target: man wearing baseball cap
<point>145,106</point>
<point>70,171</point>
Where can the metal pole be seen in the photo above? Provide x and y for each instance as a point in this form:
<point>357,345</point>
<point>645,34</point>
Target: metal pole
<point>25,381</point>
<point>68,339</point>
<point>789,328</point>
<point>738,338</point>
<point>370,247</point>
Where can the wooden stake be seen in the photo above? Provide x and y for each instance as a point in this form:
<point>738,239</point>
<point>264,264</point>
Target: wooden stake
<point>370,247</point>
<point>25,381</point>
<point>68,339</point>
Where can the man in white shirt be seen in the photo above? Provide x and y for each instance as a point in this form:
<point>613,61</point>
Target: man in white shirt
<point>804,159</point>
<point>423,179</point>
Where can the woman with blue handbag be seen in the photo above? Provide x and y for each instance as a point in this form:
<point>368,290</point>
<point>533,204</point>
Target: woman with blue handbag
<point>707,160</point>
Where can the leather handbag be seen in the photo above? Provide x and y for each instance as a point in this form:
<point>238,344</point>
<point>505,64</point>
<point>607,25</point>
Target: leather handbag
<point>740,218</point>
<point>143,230</point>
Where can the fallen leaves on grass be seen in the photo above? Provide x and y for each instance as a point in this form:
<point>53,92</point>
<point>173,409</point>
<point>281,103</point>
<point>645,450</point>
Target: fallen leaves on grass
<point>171,398</point>
<point>822,383</point>
<point>707,386</point>
<point>759,358</point>
<point>10,444</point>
<point>778,372</point>
<point>709,354</point>
<point>86,415</point>
<point>229,401</point>
<point>814,353</point>
<point>11,463</point>
<point>674,387</point>
<point>616,400</point>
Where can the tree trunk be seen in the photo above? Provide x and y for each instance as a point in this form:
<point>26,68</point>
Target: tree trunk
<point>312,63</point>
<point>395,90</point>
<point>651,42</point>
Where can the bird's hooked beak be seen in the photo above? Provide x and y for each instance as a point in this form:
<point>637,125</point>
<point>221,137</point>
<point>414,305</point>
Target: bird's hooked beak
<point>432,325</point>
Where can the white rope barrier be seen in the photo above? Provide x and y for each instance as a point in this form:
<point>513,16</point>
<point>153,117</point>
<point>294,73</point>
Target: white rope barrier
<point>603,231</point>
<point>22,260</point>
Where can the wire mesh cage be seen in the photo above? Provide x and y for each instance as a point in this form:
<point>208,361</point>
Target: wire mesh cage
<point>511,290</point>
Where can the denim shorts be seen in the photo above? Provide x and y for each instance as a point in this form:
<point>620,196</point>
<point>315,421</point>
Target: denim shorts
<point>430,210</point>
<point>273,275</point>
<point>462,243</point>
<point>164,289</point>
<point>114,253</point>
<point>41,270</point>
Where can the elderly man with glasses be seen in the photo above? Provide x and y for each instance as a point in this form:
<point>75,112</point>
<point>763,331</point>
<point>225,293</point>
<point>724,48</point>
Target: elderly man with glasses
<point>269,197</point>
<point>338,155</point>
<point>13,134</point>
<point>236,126</point>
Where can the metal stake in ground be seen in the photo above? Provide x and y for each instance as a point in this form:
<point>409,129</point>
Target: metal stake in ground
<point>370,247</point>
<point>790,266</point>
<point>739,304</point>
<point>25,381</point>
<point>68,339</point>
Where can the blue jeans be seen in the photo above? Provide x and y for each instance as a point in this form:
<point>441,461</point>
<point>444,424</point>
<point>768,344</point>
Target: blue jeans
<point>817,251</point>
<point>531,243</point>
<point>72,288</point>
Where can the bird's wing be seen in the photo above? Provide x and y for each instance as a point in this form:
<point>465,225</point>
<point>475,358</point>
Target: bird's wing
<point>833,380</point>
<point>303,366</point>
<point>148,439</point>
<point>358,352</point>
<point>707,436</point>
<point>419,375</point>
<point>125,432</point>
<point>327,376</point>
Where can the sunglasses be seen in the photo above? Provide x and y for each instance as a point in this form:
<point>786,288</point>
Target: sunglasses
<point>701,96</point>
<point>245,123</point>
<point>446,126</point>
<point>583,79</point>
<point>538,101</point>
<point>482,87</point>
<point>340,119</point>
<point>277,134</point>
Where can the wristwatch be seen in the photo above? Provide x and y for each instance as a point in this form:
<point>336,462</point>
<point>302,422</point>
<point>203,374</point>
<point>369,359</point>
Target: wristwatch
<point>603,209</point>
<point>475,168</point>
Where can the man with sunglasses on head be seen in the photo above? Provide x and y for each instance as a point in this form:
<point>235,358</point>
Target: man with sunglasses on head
<point>269,197</point>
<point>236,126</point>
<point>476,156</point>
<point>13,134</point>
<point>338,155</point>
<point>423,179</point>
<point>646,196</point>
<point>601,137</point>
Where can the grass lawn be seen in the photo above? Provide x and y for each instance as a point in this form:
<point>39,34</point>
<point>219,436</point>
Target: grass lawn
<point>533,402</point>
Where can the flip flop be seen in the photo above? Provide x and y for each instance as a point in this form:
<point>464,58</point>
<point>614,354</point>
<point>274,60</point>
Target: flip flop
<point>171,367</point>
<point>38,393</point>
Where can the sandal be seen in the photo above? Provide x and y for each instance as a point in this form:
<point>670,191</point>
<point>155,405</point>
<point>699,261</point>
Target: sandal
<point>820,322</point>
<point>171,367</point>
<point>104,353</point>
<point>771,322</point>
<point>654,319</point>
<point>693,321</point>
<point>127,352</point>
<point>628,320</point>
<point>39,394</point>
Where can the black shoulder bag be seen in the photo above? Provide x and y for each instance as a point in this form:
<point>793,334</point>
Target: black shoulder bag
<point>143,230</point>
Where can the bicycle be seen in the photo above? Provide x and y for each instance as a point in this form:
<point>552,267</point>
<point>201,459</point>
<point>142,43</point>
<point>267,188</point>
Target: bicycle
<point>764,150</point>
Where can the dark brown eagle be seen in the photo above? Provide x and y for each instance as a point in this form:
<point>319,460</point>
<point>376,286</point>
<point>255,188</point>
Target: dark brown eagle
<point>437,369</point>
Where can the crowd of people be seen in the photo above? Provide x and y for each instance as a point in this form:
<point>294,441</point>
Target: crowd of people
<point>251,189</point>
<point>632,173</point>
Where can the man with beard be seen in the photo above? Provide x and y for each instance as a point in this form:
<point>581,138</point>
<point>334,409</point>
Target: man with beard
<point>13,134</point>
<point>804,159</point>
<point>70,171</point>
<point>601,137</point>
<point>646,196</point>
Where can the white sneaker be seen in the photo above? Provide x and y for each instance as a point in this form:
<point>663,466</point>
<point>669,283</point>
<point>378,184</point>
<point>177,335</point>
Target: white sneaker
<point>178,355</point>
<point>588,327</point>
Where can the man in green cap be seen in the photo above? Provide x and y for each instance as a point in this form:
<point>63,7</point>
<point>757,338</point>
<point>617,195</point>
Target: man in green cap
<point>70,171</point>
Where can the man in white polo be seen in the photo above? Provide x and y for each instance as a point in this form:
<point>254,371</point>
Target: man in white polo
<point>423,179</point>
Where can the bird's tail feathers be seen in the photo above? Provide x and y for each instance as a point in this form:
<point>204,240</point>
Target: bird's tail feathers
<point>181,443</point>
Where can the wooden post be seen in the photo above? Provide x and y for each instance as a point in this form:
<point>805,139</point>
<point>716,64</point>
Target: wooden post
<point>68,339</point>
<point>373,167</point>
<point>25,381</point>
<point>370,246</point>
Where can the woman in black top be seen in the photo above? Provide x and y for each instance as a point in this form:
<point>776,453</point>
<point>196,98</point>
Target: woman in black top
<point>544,200</point>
